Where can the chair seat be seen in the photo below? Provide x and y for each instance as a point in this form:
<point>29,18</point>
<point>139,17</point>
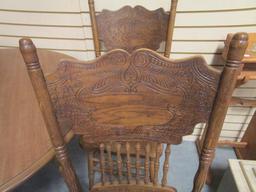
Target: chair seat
<point>131,188</point>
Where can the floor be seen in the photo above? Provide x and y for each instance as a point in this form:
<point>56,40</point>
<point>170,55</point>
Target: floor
<point>183,165</point>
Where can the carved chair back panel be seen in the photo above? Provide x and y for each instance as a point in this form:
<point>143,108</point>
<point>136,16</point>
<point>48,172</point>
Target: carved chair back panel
<point>128,97</point>
<point>132,28</point>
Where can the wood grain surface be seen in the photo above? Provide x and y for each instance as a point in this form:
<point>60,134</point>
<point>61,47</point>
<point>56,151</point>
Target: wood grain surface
<point>132,28</point>
<point>24,142</point>
<point>142,92</point>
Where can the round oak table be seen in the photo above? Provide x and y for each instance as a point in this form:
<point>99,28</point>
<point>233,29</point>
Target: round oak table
<point>25,145</point>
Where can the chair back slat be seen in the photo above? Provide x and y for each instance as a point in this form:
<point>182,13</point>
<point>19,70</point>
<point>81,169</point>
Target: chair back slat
<point>166,164</point>
<point>138,162</point>
<point>157,163</point>
<point>102,163</point>
<point>110,162</point>
<point>147,150</point>
<point>152,164</point>
<point>91,169</point>
<point>128,162</point>
<point>119,162</point>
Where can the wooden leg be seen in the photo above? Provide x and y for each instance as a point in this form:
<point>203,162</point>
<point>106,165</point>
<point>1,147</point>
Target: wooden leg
<point>67,169</point>
<point>204,166</point>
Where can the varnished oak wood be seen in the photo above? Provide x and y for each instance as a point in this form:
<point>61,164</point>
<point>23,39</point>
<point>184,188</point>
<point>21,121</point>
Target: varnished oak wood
<point>250,53</point>
<point>25,145</point>
<point>36,75</point>
<point>248,73</point>
<point>139,97</point>
<point>230,73</point>
<point>132,188</point>
<point>95,32</point>
<point>170,28</point>
<point>129,85</point>
<point>132,28</point>
<point>224,143</point>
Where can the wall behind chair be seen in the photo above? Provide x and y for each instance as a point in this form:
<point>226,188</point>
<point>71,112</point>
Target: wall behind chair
<point>201,28</point>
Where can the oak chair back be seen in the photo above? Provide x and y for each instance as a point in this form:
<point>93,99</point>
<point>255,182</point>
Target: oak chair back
<point>123,100</point>
<point>132,28</point>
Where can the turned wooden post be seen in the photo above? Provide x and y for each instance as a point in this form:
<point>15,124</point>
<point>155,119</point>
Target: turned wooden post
<point>138,148</point>
<point>102,163</point>
<point>28,51</point>
<point>170,29</point>
<point>157,163</point>
<point>110,163</point>
<point>146,164</point>
<point>95,34</point>
<point>227,84</point>
<point>166,165</point>
<point>128,162</point>
<point>119,162</point>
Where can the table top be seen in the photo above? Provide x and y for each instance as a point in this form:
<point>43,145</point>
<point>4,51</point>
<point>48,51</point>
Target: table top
<point>25,145</point>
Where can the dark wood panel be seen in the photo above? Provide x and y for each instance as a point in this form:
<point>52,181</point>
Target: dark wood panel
<point>143,93</point>
<point>132,28</point>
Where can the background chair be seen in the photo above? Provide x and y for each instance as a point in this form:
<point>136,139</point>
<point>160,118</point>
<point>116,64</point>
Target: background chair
<point>132,28</point>
<point>121,98</point>
<point>25,145</point>
<point>129,29</point>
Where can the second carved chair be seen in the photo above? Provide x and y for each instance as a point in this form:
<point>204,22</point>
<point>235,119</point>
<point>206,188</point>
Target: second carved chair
<point>123,100</point>
<point>132,28</point>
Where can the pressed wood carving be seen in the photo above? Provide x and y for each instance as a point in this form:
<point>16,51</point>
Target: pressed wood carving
<point>134,102</point>
<point>138,96</point>
<point>132,28</point>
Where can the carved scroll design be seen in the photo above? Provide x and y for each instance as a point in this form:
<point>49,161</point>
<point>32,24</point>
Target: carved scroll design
<point>142,96</point>
<point>132,28</point>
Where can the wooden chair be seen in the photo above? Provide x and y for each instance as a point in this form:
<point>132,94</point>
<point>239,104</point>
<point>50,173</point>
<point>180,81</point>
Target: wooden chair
<point>120,99</point>
<point>129,29</point>
<point>132,28</point>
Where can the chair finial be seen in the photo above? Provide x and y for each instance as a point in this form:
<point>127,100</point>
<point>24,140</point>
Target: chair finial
<point>237,49</point>
<point>28,51</point>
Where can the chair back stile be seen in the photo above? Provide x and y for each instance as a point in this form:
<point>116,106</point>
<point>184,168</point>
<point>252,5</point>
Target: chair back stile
<point>133,103</point>
<point>29,53</point>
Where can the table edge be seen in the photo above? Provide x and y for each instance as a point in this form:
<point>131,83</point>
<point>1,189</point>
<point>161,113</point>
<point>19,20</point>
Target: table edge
<point>23,176</point>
